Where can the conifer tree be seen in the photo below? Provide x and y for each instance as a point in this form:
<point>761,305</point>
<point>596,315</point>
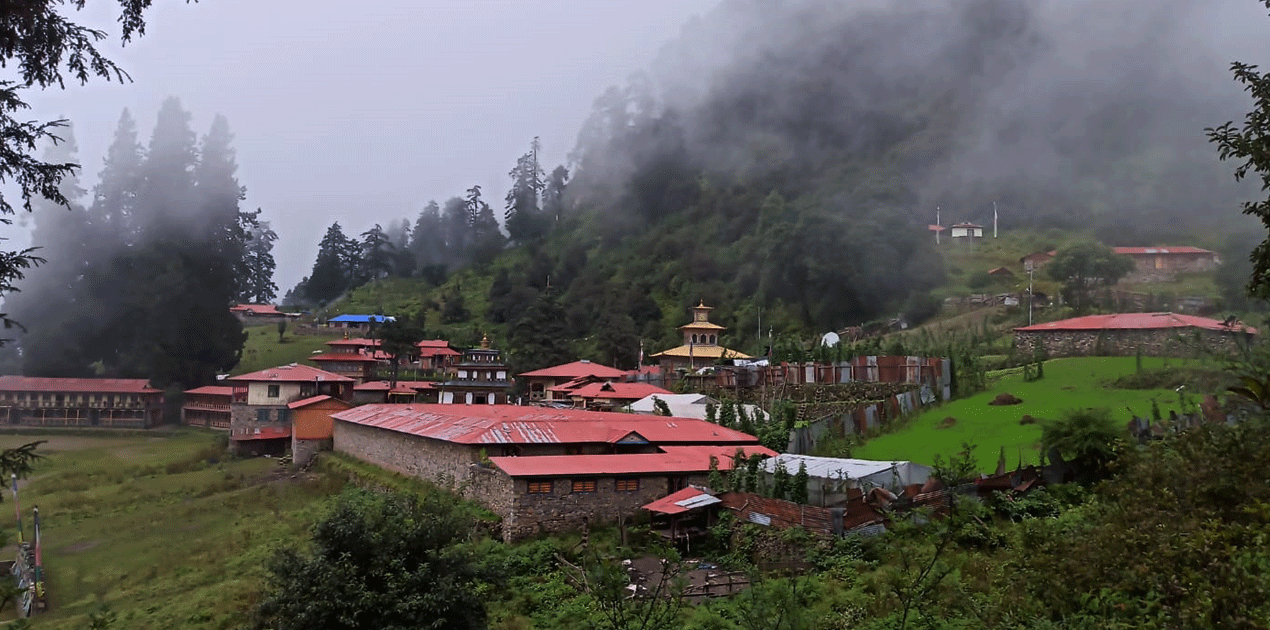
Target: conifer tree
<point>486,239</point>
<point>329,277</point>
<point>523,215</point>
<point>255,277</point>
<point>799,489</point>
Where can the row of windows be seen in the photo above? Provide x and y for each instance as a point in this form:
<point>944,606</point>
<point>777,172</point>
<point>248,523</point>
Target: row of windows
<point>706,339</point>
<point>621,484</point>
<point>73,398</point>
<point>262,415</point>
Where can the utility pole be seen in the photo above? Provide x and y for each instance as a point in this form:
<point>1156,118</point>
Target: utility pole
<point>1031,266</point>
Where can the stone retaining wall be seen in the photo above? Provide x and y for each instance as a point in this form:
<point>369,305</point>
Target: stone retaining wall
<point>1170,342</point>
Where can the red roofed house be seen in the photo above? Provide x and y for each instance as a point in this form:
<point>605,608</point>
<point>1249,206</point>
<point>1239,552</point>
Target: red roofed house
<point>541,469</point>
<point>539,382</point>
<point>79,402</point>
<point>479,379</point>
<point>354,358</point>
<point>404,392</point>
<point>437,355</point>
<point>260,419</point>
<point>604,395</point>
<point>259,313</point>
<point>1166,261</point>
<point>1124,334</point>
<point>207,406</point>
<point>311,425</point>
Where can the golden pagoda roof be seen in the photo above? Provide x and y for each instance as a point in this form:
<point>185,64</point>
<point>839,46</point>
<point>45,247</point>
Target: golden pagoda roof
<point>704,326</point>
<point>699,351</point>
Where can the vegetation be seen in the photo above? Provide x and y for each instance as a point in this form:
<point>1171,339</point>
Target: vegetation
<point>1083,268</point>
<point>1075,383</point>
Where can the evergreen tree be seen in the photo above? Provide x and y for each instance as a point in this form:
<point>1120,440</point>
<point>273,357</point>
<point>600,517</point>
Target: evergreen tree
<point>523,217</point>
<point>54,294</point>
<point>115,196</point>
<point>399,339</point>
<point>486,239</point>
<point>255,275</point>
<point>376,259</point>
<point>403,258</point>
<point>457,229</point>
<point>538,338</point>
<point>428,238</point>
<point>616,340</point>
<point>329,277</point>
<point>553,195</point>
<point>781,481</point>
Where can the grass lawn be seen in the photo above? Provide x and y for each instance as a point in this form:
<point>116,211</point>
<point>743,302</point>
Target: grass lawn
<point>262,349</point>
<point>161,529</point>
<point>1068,384</point>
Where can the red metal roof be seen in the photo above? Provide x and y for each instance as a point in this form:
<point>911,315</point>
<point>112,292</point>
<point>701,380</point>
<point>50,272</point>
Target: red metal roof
<point>90,385</point>
<point>263,433</point>
<point>257,309</point>
<point>936,228</point>
<point>347,357</point>
<point>212,390</point>
<point>1155,251</point>
<point>293,373</point>
<point>966,225</point>
<point>382,386</point>
<point>577,369</point>
<point>360,342</point>
<point>514,424</point>
<point>692,496</point>
<point>305,402</point>
<point>1137,321</point>
<point>617,391</point>
<point>682,460</point>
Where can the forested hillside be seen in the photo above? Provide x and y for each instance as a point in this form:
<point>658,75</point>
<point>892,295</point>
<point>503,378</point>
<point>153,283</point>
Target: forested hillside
<point>786,157</point>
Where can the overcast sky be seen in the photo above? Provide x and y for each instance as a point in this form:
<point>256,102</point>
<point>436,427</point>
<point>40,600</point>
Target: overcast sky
<point>362,112</point>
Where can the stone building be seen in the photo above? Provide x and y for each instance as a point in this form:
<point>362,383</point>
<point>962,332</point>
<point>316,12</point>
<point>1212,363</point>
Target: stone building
<point>207,406</point>
<point>260,416</point>
<point>480,378</point>
<point>1163,263</point>
<point>701,344</point>
<point>354,358</point>
<point>79,402</point>
<point>1125,334</point>
<point>311,426</point>
<point>403,392</point>
<point>603,395</point>
<point>540,469</point>
<point>538,383</point>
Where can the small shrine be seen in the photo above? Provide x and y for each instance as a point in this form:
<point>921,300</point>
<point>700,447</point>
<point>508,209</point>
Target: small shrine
<point>700,344</point>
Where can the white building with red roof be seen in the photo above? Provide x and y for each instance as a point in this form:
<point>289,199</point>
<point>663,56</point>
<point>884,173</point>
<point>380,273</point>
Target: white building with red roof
<point>541,469</point>
<point>79,402</point>
<point>1125,334</point>
<point>260,420</point>
<point>539,383</point>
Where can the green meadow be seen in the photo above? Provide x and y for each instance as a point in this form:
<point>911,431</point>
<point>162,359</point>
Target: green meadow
<point>161,528</point>
<point>1069,384</point>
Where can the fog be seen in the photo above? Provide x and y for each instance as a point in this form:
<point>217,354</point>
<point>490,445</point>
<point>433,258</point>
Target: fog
<point>362,113</point>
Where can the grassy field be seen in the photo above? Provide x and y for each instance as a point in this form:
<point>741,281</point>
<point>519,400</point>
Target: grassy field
<point>1068,384</point>
<point>161,528</point>
<point>262,349</point>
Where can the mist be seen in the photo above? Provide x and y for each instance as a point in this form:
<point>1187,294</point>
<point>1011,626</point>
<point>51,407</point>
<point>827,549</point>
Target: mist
<point>1067,113</point>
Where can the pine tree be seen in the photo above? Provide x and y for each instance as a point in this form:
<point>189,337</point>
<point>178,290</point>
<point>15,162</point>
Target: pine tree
<point>486,239</point>
<point>538,338</point>
<point>727,415</point>
<point>781,481</point>
<point>255,275</point>
<point>376,255</point>
<point>115,196</point>
<point>553,195</point>
<point>329,277</point>
<point>523,216</point>
<point>428,238</point>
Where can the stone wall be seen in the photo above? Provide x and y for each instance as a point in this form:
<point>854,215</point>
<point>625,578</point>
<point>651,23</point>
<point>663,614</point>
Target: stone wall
<point>1172,342</point>
<point>244,419</point>
<point>442,463</point>
<point>564,510</point>
<point>303,451</point>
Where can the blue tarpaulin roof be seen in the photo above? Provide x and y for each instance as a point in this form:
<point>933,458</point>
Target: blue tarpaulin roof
<point>363,319</point>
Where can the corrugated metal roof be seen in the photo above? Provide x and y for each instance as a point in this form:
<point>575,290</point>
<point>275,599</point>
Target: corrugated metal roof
<point>684,500</point>
<point>293,373</point>
<point>829,467</point>
<point>90,385</point>
<point>348,357</point>
<point>618,391</point>
<point>1138,321</point>
<point>212,390</point>
<point>305,402</point>
<point>577,369</point>
<point>514,424</point>
<point>263,433</point>
<point>1184,249</point>
<point>256,309</point>
<point>362,319</point>
<point>361,342</point>
<point>382,386</point>
<point>690,459</point>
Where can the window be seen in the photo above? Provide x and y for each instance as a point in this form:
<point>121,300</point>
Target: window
<point>583,485</point>
<point>275,391</point>
<point>630,484</point>
<point>262,415</point>
<point>284,414</point>
<point>540,487</point>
